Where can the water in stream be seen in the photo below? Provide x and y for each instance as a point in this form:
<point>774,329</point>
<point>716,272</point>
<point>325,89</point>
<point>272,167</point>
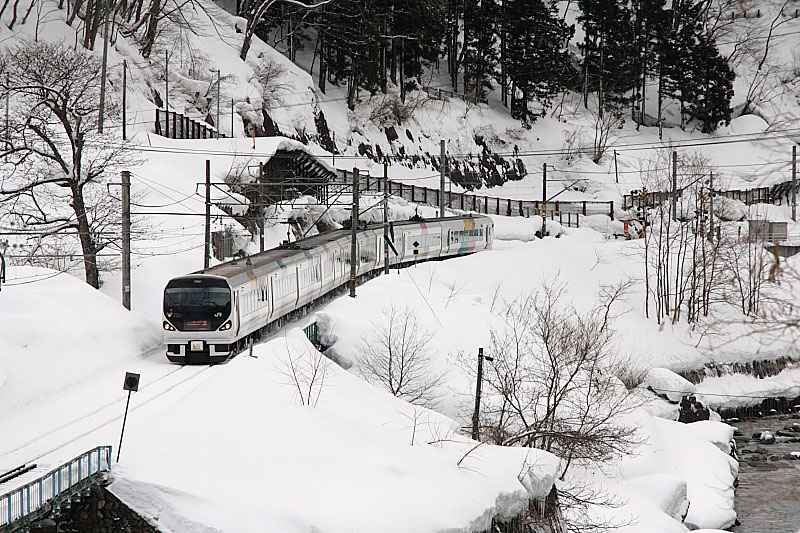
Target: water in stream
<point>768,495</point>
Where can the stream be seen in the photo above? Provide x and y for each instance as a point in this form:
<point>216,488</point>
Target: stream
<point>768,495</point>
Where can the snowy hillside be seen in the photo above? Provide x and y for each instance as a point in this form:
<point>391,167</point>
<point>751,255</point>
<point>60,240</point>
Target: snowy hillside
<point>258,445</point>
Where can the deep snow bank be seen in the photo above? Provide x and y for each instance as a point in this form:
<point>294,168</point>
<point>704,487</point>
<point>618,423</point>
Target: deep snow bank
<point>55,329</point>
<point>237,451</point>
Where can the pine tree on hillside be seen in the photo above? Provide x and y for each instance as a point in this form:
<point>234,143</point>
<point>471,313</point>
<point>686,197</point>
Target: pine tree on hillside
<point>480,45</point>
<point>417,30</point>
<point>650,27</point>
<point>692,70</point>
<point>608,51</point>
<point>536,60</point>
<point>712,98</point>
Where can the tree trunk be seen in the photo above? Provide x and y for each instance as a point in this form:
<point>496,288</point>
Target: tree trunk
<point>152,26</point>
<point>88,245</point>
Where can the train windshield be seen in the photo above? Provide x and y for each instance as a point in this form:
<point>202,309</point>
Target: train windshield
<point>197,304</point>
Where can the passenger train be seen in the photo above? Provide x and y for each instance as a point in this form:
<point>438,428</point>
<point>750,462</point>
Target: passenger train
<point>211,315</point>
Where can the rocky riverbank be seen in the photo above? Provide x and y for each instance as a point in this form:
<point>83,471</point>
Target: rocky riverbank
<point>768,492</point>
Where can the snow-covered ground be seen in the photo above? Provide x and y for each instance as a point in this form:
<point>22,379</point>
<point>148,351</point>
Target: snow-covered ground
<point>232,448</point>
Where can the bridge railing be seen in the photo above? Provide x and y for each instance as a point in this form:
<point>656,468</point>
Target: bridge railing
<point>44,493</point>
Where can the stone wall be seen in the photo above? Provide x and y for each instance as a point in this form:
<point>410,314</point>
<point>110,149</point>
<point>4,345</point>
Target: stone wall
<point>101,512</point>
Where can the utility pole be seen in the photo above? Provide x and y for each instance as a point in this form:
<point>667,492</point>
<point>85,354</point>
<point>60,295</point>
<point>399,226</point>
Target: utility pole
<point>354,236</point>
<point>476,414</point>
<point>166,90</point>
<point>794,181</point>
<point>216,123</point>
<point>616,169</point>
<point>124,99</point>
<point>385,218</point>
<point>8,108</point>
<point>126,239</point>
<point>711,208</point>
<point>103,70</point>
<point>261,213</point>
<point>232,104</point>
<point>442,163</point>
<point>207,247</point>
<point>674,185</point>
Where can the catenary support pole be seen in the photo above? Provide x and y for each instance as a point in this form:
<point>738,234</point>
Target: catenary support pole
<point>103,73</point>
<point>207,247</point>
<point>442,163</point>
<point>476,414</point>
<point>126,239</point>
<point>711,206</point>
<point>232,114</point>
<point>616,169</point>
<point>217,124</point>
<point>124,99</point>
<point>385,218</point>
<point>354,236</point>
<point>794,183</point>
<point>674,185</point>
<point>166,90</point>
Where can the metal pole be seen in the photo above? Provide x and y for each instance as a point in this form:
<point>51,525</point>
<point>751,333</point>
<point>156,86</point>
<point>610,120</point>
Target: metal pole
<point>166,90</point>
<point>674,185</point>
<point>217,124</point>
<point>124,99</point>
<point>124,419</point>
<point>8,106</point>
<point>616,170</point>
<point>207,247</point>
<point>544,182</point>
<point>711,207</point>
<point>126,239</point>
<point>103,69</point>
<point>442,163</point>
<point>794,183</point>
<point>476,414</point>
<point>232,103</point>
<point>385,218</point>
<point>353,236</point>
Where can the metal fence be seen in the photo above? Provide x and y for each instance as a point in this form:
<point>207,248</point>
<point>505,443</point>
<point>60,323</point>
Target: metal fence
<point>179,126</point>
<point>775,194</point>
<point>566,212</point>
<point>36,497</point>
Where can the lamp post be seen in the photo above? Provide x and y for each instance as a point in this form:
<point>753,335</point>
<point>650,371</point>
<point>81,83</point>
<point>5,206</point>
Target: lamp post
<point>477,413</point>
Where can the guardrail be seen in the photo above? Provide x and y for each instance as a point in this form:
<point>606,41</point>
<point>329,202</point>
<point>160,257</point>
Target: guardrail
<point>488,205</point>
<point>775,194</point>
<point>36,498</point>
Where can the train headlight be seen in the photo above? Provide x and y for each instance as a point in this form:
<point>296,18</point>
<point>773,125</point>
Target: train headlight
<point>168,326</point>
<point>226,326</point>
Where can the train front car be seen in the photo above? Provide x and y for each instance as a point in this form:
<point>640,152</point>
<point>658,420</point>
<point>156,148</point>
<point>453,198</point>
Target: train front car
<point>198,319</point>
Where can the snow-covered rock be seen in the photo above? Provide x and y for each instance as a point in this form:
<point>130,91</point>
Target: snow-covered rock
<point>667,383</point>
<point>729,209</point>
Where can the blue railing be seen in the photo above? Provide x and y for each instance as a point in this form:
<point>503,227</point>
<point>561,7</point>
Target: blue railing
<point>68,479</point>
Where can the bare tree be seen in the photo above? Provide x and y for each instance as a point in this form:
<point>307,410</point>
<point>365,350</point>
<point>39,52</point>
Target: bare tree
<point>306,372</point>
<point>254,11</point>
<point>56,164</point>
<point>395,355</point>
<point>552,383</point>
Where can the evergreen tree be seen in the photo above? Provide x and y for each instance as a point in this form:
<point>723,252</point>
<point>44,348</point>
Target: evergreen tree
<point>536,60</point>
<point>693,72</point>
<point>480,45</point>
<point>608,51</point>
<point>650,28</point>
